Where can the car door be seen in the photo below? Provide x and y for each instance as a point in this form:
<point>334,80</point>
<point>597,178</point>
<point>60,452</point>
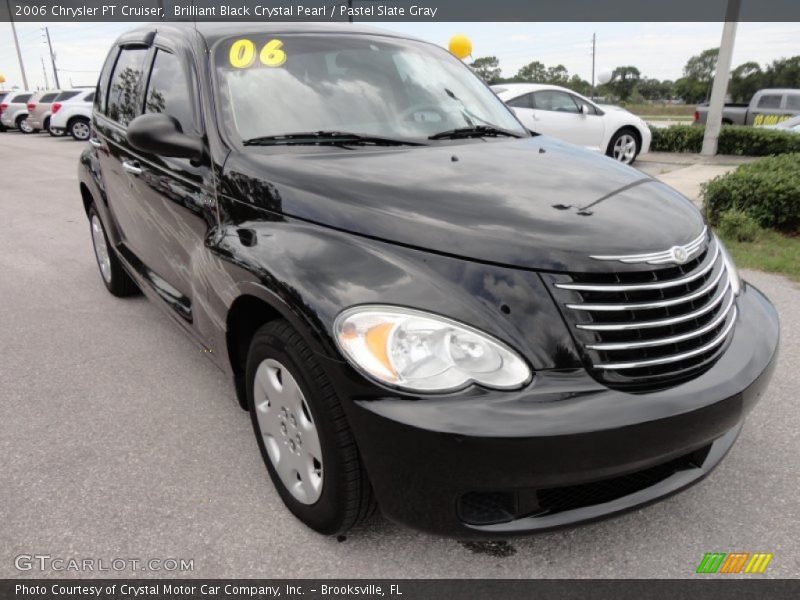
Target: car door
<point>557,113</point>
<point>175,198</point>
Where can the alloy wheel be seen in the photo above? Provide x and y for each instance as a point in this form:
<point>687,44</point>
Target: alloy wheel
<point>625,148</point>
<point>80,130</point>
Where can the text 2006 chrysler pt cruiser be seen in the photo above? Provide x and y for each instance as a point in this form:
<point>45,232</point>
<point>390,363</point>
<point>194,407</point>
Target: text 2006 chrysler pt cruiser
<point>422,304</point>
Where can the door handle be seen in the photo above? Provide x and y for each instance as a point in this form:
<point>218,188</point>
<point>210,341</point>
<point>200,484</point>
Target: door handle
<point>132,167</point>
<point>95,142</point>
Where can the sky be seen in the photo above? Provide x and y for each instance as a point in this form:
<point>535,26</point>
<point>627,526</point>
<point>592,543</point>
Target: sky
<point>659,50</point>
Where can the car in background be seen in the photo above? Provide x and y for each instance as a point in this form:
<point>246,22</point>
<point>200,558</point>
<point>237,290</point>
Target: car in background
<point>766,107</point>
<point>563,114</point>
<point>3,94</point>
<point>791,125</point>
<point>14,111</point>
<point>39,109</point>
<point>72,112</point>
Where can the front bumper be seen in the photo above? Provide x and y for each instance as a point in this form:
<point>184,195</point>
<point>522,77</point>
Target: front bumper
<point>564,450</point>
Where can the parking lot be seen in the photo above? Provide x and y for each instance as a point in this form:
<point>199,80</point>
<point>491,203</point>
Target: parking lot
<point>121,440</point>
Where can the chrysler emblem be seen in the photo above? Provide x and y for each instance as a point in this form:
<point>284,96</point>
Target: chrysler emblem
<point>679,254</point>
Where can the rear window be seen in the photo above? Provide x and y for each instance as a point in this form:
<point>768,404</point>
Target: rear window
<point>21,98</point>
<point>89,97</point>
<point>66,96</point>
<point>48,97</point>
<point>793,101</point>
<point>770,101</point>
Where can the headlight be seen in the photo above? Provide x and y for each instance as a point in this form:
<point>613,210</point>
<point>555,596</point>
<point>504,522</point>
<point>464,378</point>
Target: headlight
<point>423,352</point>
<point>733,272</point>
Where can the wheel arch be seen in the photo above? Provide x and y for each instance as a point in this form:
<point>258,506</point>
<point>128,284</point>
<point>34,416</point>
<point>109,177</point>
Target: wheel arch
<point>246,314</point>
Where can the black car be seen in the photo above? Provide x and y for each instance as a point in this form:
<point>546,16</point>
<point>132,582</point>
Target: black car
<point>422,304</point>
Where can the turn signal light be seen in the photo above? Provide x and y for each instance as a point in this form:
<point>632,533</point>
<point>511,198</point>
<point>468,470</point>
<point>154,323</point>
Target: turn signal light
<point>55,107</point>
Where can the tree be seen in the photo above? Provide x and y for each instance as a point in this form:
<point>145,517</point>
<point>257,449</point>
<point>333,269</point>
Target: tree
<point>746,80</point>
<point>653,89</point>
<point>700,69</point>
<point>487,68</point>
<point>783,73</point>
<point>623,81</point>
<point>581,86</point>
<point>557,75</point>
<point>534,72</point>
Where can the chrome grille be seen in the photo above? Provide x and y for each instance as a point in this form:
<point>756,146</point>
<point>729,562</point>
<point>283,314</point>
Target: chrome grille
<point>643,330</point>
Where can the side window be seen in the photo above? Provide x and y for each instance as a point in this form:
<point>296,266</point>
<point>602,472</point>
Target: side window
<point>47,98</point>
<point>22,98</point>
<point>590,109</point>
<point>793,101</point>
<point>123,92</point>
<point>524,101</point>
<point>770,101</point>
<point>555,101</point>
<point>168,90</point>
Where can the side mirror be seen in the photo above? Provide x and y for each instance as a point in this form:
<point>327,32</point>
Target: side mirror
<point>157,133</point>
<point>584,109</point>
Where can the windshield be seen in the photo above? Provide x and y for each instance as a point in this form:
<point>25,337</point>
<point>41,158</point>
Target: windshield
<point>367,85</point>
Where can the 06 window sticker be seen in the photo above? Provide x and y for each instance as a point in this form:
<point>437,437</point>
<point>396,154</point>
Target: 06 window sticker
<point>242,54</point>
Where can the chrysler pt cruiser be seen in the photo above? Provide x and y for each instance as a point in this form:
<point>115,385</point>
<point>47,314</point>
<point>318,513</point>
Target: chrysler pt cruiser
<point>423,305</point>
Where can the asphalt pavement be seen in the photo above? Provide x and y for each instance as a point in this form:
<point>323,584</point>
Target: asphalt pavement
<point>120,440</point>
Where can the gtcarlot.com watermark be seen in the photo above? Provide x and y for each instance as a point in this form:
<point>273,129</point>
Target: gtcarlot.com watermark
<point>45,562</point>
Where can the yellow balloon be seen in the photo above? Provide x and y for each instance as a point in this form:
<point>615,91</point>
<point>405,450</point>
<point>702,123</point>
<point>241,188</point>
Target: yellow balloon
<point>460,46</point>
<point>2,78</point>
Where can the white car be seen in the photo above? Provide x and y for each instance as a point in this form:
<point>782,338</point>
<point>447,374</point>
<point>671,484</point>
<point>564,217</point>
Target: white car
<point>563,114</point>
<point>72,113</point>
<point>14,111</point>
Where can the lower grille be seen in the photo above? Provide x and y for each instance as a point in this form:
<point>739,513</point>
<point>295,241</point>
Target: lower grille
<point>562,499</point>
<point>644,330</point>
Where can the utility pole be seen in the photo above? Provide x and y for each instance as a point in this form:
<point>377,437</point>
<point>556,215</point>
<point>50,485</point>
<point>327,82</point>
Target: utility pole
<point>16,43</point>
<point>717,104</point>
<point>52,57</point>
<point>44,72</point>
<point>594,51</point>
<point>350,8</point>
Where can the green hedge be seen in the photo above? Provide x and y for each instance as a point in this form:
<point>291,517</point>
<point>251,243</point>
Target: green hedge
<point>767,190</point>
<point>733,139</point>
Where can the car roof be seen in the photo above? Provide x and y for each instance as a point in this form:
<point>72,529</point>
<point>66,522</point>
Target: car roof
<point>512,90</point>
<point>212,32</point>
<point>779,91</point>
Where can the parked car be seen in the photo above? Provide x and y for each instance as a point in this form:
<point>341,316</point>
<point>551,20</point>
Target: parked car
<point>420,302</point>
<point>3,94</point>
<point>766,107</point>
<point>14,111</point>
<point>72,113</point>
<point>39,109</point>
<point>563,114</point>
<point>791,125</point>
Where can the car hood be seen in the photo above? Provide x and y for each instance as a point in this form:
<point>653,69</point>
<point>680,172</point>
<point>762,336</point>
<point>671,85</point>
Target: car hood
<point>533,203</point>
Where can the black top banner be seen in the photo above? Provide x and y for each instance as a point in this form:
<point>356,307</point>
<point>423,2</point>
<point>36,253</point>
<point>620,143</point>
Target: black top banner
<point>401,10</point>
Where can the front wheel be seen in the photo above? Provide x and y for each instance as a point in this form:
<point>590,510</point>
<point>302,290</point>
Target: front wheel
<point>303,434</point>
<point>79,129</point>
<point>624,146</point>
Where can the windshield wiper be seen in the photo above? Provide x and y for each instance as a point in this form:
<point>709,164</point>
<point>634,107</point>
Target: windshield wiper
<point>474,131</point>
<point>327,137</point>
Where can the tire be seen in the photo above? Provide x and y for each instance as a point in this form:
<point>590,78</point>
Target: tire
<point>79,129</point>
<point>55,133</point>
<point>24,125</point>
<point>624,146</point>
<point>288,394</point>
<point>113,274</point>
